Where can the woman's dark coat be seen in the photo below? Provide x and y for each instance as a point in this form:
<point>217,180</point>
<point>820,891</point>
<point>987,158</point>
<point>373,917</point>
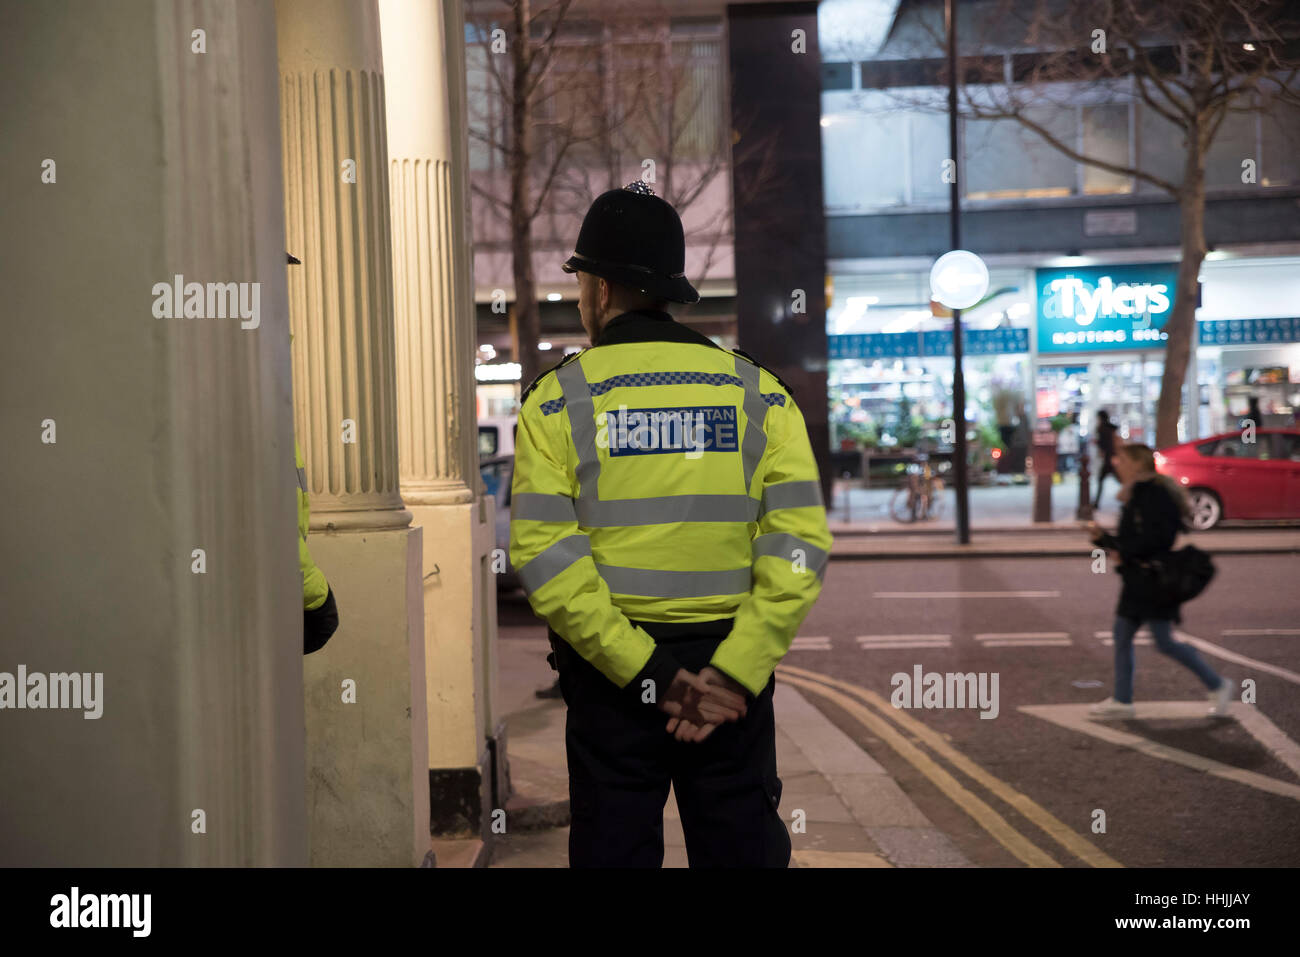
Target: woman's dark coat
<point>1148,525</point>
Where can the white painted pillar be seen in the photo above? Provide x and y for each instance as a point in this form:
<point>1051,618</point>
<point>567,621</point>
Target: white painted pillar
<point>424,66</point>
<point>368,790</point>
<point>138,150</point>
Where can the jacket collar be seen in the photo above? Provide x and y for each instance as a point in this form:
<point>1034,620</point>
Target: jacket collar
<point>648,325</point>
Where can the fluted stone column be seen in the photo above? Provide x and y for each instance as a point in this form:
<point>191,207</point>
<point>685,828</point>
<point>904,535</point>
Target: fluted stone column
<point>367,793</point>
<point>336,222</point>
<point>424,67</point>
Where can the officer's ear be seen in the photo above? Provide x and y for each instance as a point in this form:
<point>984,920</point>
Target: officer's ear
<point>604,294</point>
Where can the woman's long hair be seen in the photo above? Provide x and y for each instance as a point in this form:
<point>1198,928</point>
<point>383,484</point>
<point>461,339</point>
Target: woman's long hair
<point>1145,459</point>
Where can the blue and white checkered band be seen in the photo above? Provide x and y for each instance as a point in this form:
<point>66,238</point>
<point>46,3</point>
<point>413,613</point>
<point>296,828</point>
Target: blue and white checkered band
<point>639,186</point>
<point>635,379</point>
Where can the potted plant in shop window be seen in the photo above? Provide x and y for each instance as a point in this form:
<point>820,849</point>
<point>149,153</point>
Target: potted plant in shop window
<point>908,431</point>
<point>992,447</point>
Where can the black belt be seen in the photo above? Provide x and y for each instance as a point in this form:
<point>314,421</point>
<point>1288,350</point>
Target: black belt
<point>665,632</point>
<point>679,630</point>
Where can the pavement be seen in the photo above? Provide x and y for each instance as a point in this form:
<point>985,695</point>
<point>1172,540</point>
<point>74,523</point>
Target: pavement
<point>843,808</point>
<point>1000,519</point>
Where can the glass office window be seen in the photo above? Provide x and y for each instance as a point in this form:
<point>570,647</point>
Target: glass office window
<point>1234,142</point>
<point>928,139</point>
<point>1005,159</point>
<point>1161,150</point>
<point>1279,160</point>
<point>861,161</point>
<point>1105,136</point>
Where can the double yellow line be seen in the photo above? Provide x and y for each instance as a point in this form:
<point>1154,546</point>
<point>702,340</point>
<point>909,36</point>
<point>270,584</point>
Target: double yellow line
<point>851,698</point>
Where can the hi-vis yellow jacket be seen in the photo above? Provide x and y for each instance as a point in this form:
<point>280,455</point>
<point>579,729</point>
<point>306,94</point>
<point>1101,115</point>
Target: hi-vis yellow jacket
<point>659,478</point>
<point>314,587</point>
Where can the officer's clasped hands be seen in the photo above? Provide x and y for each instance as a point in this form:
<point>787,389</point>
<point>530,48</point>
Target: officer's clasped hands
<point>699,703</point>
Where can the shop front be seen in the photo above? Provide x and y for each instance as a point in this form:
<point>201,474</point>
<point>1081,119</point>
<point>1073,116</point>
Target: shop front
<point>1100,345</point>
<point>1052,347</point>
<point>890,370</point>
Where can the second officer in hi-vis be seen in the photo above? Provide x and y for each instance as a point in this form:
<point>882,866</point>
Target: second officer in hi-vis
<point>667,523</point>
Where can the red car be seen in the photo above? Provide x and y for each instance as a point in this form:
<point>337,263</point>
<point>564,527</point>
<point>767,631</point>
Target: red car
<point>1229,477</point>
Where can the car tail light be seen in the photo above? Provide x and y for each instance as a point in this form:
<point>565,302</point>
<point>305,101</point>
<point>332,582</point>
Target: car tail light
<point>1160,460</point>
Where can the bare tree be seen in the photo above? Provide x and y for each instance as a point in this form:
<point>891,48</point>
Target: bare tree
<point>517,65</point>
<point>1191,62</point>
<point>578,116</point>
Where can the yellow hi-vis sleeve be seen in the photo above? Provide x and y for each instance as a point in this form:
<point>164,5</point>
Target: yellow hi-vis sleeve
<point>314,587</point>
<point>554,559</point>
<point>791,548</point>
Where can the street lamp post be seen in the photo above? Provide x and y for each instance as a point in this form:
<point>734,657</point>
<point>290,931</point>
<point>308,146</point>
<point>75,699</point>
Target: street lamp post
<point>954,221</point>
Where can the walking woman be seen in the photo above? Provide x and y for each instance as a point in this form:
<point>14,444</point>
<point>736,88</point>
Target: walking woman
<point>1155,511</point>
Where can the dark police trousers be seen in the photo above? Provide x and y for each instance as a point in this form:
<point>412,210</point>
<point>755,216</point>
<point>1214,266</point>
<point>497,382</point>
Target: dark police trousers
<point>621,762</point>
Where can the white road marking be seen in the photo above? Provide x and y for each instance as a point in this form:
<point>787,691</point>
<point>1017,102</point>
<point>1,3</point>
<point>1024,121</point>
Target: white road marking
<point>1213,649</point>
<point>872,642</point>
<point>968,594</point>
<point>1076,718</point>
<point>866,638</point>
<point>1029,643</point>
<point>811,644</point>
<point>1143,637</point>
<point>1258,632</point>
<point>1012,637</point>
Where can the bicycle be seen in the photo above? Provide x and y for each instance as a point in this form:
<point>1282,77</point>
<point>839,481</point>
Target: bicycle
<point>921,498</point>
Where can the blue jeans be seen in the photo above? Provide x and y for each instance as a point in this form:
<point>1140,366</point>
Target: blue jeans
<point>1162,631</point>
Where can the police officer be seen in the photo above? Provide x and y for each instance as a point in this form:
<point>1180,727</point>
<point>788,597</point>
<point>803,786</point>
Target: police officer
<point>667,523</point>
<point>320,615</point>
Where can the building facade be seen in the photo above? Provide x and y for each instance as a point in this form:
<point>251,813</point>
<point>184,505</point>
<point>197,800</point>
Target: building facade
<point>1082,260</point>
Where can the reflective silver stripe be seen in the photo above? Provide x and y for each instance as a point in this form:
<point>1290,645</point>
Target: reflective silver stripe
<point>549,563</point>
<point>542,508</point>
<point>792,495</point>
<point>755,441</point>
<point>582,423</point>
<point>653,583</point>
<point>664,510</point>
<point>302,479</point>
<point>783,545</point>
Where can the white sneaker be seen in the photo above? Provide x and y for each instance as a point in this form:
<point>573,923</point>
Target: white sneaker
<point>1110,708</point>
<point>1221,698</point>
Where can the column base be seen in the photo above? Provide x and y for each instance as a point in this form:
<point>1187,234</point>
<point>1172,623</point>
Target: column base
<point>367,726</point>
<point>459,632</point>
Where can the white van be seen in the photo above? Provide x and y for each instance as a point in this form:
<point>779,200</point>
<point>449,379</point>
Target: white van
<point>496,436</point>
